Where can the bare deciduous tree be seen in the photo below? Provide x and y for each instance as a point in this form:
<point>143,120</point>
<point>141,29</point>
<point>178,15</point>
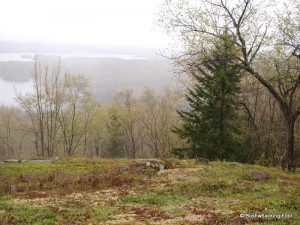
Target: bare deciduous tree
<point>11,136</point>
<point>54,109</point>
<point>125,114</point>
<point>73,117</point>
<point>43,107</point>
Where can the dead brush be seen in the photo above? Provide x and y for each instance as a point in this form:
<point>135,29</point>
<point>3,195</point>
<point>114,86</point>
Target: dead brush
<point>116,179</point>
<point>56,181</point>
<point>88,181</point>
<point>34,194</point>
<point>23,179</point>
<point>50,180</point>
<point>65,187</point>
<point>110,178</point>
<point>5,187</point>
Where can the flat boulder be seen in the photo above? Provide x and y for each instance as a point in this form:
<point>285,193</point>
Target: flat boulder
<point>259,175</point>
<point>13,160</point>
<point>40,161</point>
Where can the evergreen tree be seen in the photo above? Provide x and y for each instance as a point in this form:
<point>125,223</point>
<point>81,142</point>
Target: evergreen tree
<point>210,125</point>
<point>115,140</point>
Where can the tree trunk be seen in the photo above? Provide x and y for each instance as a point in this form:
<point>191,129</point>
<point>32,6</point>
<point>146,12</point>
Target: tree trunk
<point>97,150</point>
<point>222,118</point>
<point>290,140</point>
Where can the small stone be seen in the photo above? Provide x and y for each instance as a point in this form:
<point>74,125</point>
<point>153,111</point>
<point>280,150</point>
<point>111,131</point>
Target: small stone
<point>124,168</point>
<point>161,166</point>
<point>16,188</point>
<point>13,188</point>
<point>154,165</point>
<point>259,175</point>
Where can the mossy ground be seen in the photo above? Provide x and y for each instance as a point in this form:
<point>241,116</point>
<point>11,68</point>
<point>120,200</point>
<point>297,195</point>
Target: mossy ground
<point>98,191</point>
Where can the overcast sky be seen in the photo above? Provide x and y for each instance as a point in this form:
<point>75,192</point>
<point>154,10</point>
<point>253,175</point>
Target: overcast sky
<point>116,22</point>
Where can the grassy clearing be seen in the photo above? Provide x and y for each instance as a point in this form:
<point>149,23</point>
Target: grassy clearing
<point>25,214</point>
<point>83,191</point>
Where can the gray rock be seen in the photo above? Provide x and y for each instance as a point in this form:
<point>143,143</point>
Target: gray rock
<point>16,188</point>
<point>158,166</point>
<point>259,175</point>
<point>13,188</point>
<point>124,168</point>
<point>161,167</point>
<point>13,160</point>
<point>153,163</point>
<point>41,161</point>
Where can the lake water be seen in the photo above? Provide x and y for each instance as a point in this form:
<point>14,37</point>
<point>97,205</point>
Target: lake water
<point>8,91</point>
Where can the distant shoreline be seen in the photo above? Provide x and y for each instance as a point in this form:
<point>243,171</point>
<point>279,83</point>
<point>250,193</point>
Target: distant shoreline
<point>30,56</point>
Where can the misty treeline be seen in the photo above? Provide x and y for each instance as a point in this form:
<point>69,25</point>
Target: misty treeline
<point>61,117</point>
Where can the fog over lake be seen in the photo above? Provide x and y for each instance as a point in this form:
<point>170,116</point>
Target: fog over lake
<point>107,72</point>
<point>30,56</point>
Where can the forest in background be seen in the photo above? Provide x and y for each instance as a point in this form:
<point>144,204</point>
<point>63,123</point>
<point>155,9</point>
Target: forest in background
<point>63,118</point>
